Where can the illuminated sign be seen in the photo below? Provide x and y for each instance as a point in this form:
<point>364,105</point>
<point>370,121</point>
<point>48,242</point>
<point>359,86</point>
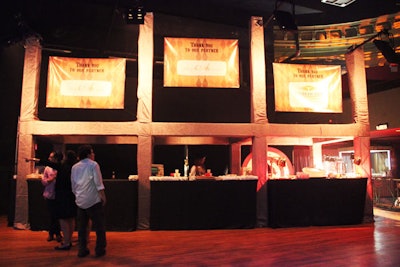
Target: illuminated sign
<point>307,88</point>
<point>197,62</point>
<point>88,83</point>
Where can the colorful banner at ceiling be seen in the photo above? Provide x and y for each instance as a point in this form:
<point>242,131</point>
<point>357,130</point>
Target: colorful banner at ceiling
<point>87,83</point>
<point>307,88</point>
<point>199,62</point>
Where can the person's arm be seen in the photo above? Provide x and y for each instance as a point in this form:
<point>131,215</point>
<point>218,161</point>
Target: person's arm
<point>98,180</point>
<point>103,198</point>
<point>193,171</point>
<point>45,162</point>
<point>53,165</point>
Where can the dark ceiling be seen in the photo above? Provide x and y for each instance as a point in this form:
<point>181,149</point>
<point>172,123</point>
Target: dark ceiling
<point>47,14</point>
<point>55,20</point>
<point>308,12</point>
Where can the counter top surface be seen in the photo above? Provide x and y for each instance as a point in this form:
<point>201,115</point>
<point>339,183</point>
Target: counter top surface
<point>217,178</point>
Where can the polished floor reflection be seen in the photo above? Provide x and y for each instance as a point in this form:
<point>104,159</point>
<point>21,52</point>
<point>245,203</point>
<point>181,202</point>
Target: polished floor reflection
<point>372,244</point>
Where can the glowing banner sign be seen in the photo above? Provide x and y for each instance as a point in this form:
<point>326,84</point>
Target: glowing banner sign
<point>307,88</point>
<point>196,62</point>
<point>89,83</point>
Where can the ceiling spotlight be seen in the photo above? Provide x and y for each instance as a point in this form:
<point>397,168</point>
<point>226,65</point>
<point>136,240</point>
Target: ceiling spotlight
<point>135,15</point>
<point>339,3</point>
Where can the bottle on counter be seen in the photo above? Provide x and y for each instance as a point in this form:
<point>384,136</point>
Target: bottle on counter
<point>186,168</point>
<point>113,175</point>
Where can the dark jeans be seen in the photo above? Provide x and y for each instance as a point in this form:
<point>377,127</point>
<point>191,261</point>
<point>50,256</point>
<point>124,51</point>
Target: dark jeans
<point>96,214</point>
<point>54,227</point>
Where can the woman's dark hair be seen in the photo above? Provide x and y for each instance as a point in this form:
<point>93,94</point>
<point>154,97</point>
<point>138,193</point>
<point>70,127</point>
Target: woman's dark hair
<point>198,161</point>
<point>70,157</point>
<point>58,156</point>
<point>84,151</point>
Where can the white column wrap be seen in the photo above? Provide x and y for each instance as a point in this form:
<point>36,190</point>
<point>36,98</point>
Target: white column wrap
<point>144,159</point>
<point>30,81</point>
<point>29,107</point>
<point>259,167</point>
<point>358,85</point>
<point>145,69</point>
<point>144,116</point>
<point>358,93</point>
<point>257,72</point>
<point>362,151</point>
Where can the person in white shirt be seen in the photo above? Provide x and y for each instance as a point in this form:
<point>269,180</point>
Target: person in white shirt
<point>88,188</point>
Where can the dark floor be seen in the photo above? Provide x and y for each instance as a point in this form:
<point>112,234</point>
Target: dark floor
<point>372,244</point>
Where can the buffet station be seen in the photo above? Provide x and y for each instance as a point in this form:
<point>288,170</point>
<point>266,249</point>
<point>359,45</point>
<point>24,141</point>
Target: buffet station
<point>222,202</point>
<point>315,201</point>
<point>120,211</point>
<point>182,203</point>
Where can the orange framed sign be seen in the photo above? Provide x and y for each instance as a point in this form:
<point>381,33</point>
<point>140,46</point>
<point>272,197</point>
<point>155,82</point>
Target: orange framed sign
<point>88,83</point>
<point>201,62</point>
<point>307,88</point>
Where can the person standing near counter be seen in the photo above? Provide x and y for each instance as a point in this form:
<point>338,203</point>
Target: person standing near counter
<point>65,207</point>
<point>49,193</point>
<point>65,200</point>
<point>88,188</point>
<point>199,168</point>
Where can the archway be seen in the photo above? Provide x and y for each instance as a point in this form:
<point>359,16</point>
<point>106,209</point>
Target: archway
<point>279,165</point>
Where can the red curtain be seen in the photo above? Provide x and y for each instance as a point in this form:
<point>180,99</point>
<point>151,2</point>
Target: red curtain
<point>301,158</point>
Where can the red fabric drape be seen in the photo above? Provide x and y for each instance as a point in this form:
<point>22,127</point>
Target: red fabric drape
<point>301,158</point>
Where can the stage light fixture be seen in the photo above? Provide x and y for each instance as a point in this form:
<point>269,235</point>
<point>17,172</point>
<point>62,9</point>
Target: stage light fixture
<point>285,20</point>
<point>387,51</point>
<point>135,15</point>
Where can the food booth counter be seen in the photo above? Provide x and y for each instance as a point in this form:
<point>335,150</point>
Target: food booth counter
<point>120,211</point>
<point>224,202</point>
<point>315,201</point>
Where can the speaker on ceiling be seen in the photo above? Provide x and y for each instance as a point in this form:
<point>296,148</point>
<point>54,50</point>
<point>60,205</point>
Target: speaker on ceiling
<point>285,20</point>
<point>387,51</point>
